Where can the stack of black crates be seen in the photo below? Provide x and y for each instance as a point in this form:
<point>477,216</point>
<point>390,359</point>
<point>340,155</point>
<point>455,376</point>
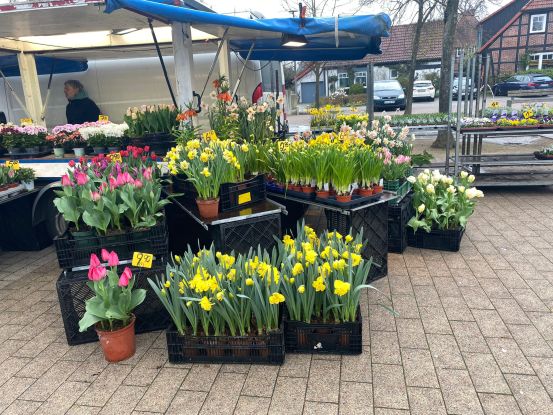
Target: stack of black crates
<point>73,291</point>
<point>398,217</point>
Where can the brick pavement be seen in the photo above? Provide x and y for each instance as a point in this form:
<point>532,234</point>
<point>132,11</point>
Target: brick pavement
<point>474,336</point>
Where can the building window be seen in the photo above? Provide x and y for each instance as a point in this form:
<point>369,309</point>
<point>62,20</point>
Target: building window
<point>360,78</point>
<point>393,74</point>
<point>538,23</point>
<point>343,80</point>
<point>541,60</point>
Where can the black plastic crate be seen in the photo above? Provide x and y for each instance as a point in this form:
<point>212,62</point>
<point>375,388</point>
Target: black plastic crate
<point>74,253</point>
<point>440,240</point>
<point>398,217</point>
<point>374,222</point>
<point>343,338</point>
<point>240,236</point>
<point>73,293</point>
<point>265,349</point>
<point>231,195</point>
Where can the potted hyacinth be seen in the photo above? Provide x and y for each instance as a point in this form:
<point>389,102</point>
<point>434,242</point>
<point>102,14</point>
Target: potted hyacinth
<point>394,169</point>
<point>110,310</point>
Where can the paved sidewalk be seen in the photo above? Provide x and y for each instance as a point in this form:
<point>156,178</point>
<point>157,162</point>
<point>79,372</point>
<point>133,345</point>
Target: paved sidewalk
<point>474,336</point>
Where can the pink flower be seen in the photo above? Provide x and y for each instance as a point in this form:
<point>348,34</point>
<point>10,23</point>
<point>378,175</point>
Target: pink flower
<point>71,163</point>
<point>125,277</point>
<point>137,183</point>
<point>112,183</point>
<point>95,196</point>
<point>96,271</point>
<point>65,180</point>
<point>111,258</point>
<point>148,173</point>
<point>82,178</point>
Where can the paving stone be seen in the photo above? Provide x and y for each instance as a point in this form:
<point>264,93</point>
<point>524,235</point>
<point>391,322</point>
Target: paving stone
<point>260,381</point>
<point>435,320</point>
<point>400,285</point>
<point>11,366</point>
<point>141,376</point>
<point>320,408</point>
<point>357,368</point>
<point>200,377</point>
<point>446,287</point>
<point>499,404</point>
<point>530,394</point>
<point>188,403</point>
<point>494,288</point>
<point>445,352</point>
<point>468,336</point>
<point>63,398</point>
<point>543,366</point>
<point>543,322</point>
<point>252,405</point>
<point>530,341</point>
<point>12,389</point>
<point>324,381</point>
<point>224,394</point>
<point>105,384</point>
<point>426,401</point>
<point>406,306</point>
<point>123,400</point>
<point>235,368</point>
<point>296,366</point>
<point>427,296</point>
<point>486,375</point>
<point>381,319</point>
<point>458,392</point>
<point>385,347</point>
<point>510,311</point>
<point>509,357</point>
<point>456,310</point>
<point>159,395</point>
<point>20,407</point>
<point>289,396</point>
<point>411,334</point>
<point>356,398</point>
<point>50,381</point>
<point>490,323</point>
<point>388,411</point>
<point>476,298</point>
<point>389,387</point>
<point>528,300</point>
<point>419,368</point>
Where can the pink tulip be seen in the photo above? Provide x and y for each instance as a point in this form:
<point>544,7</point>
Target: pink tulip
<point>137,184</point>
<point>65,180</point>
<point>112,183</point>
<point>81,178</point>
<point>148,173</point>
<point>95,196</point>
<point>125,277</point>
<point>96,271</point>
<point>111,258</point>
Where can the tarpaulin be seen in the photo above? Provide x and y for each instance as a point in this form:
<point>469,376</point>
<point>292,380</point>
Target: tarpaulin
<point>44,65</point>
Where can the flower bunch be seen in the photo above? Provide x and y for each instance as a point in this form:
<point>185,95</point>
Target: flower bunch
<point>322,277</point>
<point>103,134</point>
<point>324,117</point>
<point>442,202</point>
<point>114,298</point>
<point>214,293</point>
<point>395,167</point>
<point>23,136</point>
<point>222,114</point>
<point>151,119</point>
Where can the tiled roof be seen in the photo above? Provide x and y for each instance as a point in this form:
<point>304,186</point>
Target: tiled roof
<point>397,48</point>
<point>538,4</point>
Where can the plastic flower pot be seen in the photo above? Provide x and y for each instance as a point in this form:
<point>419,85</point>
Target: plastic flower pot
<point>365,192</point>
<point>32,150</point>
<point>13,150</point>
<point>59,152</point>
<point>343,198</point>
<point>79,151</point>
<point>98,150</point>
<point>209,209</point>
<point>119,344</point>
<point>377,189</point>
<point>30,185</point>
<point>323,194</point>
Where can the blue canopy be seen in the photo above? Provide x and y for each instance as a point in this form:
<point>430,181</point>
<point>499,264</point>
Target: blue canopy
<point>44,65</point>
<point>329,38</point>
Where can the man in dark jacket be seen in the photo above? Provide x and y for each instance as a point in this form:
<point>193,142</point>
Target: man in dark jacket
<point>81,108</point>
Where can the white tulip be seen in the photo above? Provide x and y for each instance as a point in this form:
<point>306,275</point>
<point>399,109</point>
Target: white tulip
<point>421,208</point>
<point>464,174</point>
<point>411,179</point>
<point>471,178</point>
<point>451,189</point>
<point>461,189</point>
<point>430,188</point>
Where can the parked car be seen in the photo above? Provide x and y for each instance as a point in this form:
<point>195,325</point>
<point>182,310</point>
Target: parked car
<point>522,83</point>
<point>388,95</point>
<point>424,90</point>
<point>455,87</point>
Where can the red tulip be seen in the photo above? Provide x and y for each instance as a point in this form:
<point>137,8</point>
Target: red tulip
<point>71,163</point>
<point>111,258</point>
<point>96,271</point>
<point>125,277</point>
<point>65,180</point>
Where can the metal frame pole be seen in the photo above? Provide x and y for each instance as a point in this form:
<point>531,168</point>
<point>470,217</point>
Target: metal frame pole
<point>449,109</point>
<point>467,88</point>
<point>370,92</point>
<point>479,86</point>
<point>242,70</point>
<point>473,69</point>
<point>486,74</point>
<point>164,69</point>
<point>458,127</point>
<point>219,47</point>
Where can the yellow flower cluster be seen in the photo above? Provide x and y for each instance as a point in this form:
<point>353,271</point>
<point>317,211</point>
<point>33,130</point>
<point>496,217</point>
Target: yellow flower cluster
<point>341,288</point>
<point>276,298</point>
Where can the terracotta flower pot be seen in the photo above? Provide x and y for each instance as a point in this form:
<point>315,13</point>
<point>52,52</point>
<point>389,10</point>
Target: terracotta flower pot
<point>343,198</point>
<point>294,188</point>
<point>364,192</point>
<point>120,344</point>
<point>209,208</point>
<point>377,189</point>
<point>307,189</point>
<point>323,194</point>
<point>356,191</point>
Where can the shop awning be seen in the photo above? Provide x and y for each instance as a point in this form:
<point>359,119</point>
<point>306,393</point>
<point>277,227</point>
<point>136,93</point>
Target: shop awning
<point>44,65</point>
<point>329,38</point>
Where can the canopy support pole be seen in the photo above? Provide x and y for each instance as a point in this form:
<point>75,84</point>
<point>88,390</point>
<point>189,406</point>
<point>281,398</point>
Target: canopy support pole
<point>19,101</point>
<point>370,92</point>
<point>43,113</point>
<point>242,70</point>
<point>31,87</point>
<point>184,62</point>
<point>162,63</point>
<point>219,47</point>
<point>224,60</point>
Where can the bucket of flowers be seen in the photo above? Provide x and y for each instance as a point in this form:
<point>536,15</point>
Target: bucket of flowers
<point>110,310</point>
<point>224,308</point>
<point>442,206</point>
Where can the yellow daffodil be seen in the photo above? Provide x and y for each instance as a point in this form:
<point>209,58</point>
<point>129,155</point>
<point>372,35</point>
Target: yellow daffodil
<point>249,282</point>
<point>220,295</point>
<point>301,289</point>
<point>341,288</point>
<point>319,284</point>
<point>349,238</point>
<point>276,298</point>
<point>205,172</point>
<point>206,304</point>
<point>297,269</point>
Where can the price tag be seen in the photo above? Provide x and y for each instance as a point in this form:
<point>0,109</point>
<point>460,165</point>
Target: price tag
<point>494,104</point>
<point>103,118</point>
<point>209,135</point>
<point>245,212</point>
<point>142,260</point>
<point>244,198</point>
<point>25,121</point>
<point>115,157</point>
<point>14,164</point>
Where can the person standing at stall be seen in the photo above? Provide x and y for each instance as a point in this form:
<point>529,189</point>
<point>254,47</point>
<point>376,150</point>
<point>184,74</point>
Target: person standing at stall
<point>80,108</point>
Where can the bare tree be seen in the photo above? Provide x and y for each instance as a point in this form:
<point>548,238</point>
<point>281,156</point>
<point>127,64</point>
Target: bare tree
<point>318,8</point>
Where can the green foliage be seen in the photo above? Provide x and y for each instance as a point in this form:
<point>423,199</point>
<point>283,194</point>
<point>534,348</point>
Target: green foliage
<point>356,89</point>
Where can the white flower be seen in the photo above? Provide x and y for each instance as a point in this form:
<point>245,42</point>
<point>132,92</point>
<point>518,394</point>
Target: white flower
<point>430,188</point>
<point>451,189</point>
<point>471,178</point>
<point>464,174</point>
<point>461,189</point>
<point>449,180</point>
<point>421,208</point>
<point>479,193</point>
<point>426,171</point>
<point>213,95</point>
<point>471,192</point>
<point>387,118</point>
<point>411,179</point>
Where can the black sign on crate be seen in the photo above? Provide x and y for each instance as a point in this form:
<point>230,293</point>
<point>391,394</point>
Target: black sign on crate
<point>73,293</point>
